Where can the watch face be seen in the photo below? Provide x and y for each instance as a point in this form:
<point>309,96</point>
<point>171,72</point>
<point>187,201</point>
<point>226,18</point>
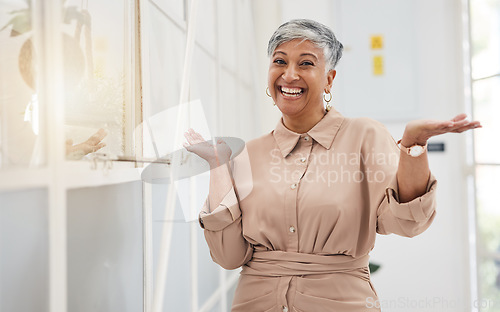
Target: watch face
<point>416,150</point>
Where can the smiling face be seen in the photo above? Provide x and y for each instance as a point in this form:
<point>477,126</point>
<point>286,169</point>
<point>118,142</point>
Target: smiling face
<point>297,78</point>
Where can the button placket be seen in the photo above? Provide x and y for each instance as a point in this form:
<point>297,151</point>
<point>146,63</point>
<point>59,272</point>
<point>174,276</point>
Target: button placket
<point>298,164</point>
<point>291,199</point>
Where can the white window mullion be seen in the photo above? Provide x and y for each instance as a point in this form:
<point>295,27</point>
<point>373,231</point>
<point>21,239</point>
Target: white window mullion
<point>469,159</point>
<point>47,21</point>
<point>193,227</point>
<point>147,195</point>
<point>166,238</point>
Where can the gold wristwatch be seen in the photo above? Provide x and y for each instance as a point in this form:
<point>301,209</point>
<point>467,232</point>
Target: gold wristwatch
<point>414,150</point>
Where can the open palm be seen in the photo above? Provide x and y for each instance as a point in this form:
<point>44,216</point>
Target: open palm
<point>419,131</point>
<point>214,155</point>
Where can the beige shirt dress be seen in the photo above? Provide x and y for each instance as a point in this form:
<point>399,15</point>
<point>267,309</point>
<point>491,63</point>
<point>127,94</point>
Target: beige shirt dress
<point>303,213</point>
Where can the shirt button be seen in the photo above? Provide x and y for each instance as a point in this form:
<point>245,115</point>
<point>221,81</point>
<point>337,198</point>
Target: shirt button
<point>285,309</point>
<point>303,159</point>
<point>293,186</point>
<point>292,229</point>
<point>306,138</point>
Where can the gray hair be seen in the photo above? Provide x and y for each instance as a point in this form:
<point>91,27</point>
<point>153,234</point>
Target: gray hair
<point>306,29</point>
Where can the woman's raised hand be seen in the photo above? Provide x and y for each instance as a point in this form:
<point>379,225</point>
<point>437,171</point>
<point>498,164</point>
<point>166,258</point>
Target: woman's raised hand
<point>91,145</point>
<point>214,155</point>
<point>419,131</point>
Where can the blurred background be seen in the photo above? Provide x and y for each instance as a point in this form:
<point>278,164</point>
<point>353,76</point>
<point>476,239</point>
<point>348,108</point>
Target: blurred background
<point>81,229</point>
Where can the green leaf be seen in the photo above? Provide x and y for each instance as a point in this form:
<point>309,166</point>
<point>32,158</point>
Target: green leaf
<point>21,23</point>
<point>373,267</point>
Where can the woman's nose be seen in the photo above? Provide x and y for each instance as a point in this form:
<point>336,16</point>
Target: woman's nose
<point>290,74</point>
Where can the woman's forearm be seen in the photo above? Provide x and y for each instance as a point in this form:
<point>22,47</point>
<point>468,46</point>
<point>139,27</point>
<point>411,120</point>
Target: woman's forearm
<point>220,184</point>
<point>413,174</point>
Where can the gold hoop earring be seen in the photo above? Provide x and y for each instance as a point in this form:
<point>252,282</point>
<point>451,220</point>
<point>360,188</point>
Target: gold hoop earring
<point>328,105</point>
<point>324,97</point>
<point>269,95</point>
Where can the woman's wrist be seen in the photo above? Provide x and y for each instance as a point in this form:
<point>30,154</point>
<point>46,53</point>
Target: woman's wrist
<point>412,137</point>
<point>408,142</point>
<point>214,163</point>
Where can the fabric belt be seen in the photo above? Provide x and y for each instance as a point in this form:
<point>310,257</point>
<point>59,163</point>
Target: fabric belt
<point>287,265</point>
<point>282,263</point>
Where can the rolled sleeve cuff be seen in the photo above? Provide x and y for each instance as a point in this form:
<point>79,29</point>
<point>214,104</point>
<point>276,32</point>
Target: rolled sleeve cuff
<point>226,213</point>
<point>419,209</point>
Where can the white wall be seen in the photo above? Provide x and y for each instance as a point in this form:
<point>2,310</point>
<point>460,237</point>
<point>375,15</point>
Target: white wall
<point>24,250</point>
<point>105,267</point>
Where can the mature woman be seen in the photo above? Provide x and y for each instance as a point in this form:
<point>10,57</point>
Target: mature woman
<point>299,209</point>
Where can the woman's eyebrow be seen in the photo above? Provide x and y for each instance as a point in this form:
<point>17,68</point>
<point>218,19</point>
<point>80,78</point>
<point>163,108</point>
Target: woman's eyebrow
<point>309,54</point>
<point>303,54</point>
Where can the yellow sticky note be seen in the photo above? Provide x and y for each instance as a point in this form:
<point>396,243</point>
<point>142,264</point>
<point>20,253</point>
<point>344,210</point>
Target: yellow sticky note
<point>377,42</point>
<point>378,65</point>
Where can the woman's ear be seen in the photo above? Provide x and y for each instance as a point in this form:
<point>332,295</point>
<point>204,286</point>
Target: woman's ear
<point>330,76</point>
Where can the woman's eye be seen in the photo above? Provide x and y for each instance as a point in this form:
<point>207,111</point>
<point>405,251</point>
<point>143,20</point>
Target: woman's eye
<point>279,61</point>
<point>307,63</point>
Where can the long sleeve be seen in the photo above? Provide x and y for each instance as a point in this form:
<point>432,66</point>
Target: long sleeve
<point>223,232</point>
<point>405,219</point>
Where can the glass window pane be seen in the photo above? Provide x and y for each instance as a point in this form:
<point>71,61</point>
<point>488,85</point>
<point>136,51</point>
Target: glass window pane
<point>97,67</point>
<point>227,33</point>
<point>177,285</point>
<point>487,109</point>
<point>20,144</point>
<point>488,218</point>
<point>485,34</point>
<point>166,60</point>
<point>164,63</point>
<point>204,84</point>
<point>176,9</point>
<point>205,25</point>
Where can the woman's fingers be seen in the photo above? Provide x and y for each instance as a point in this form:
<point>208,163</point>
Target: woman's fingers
<point>464,125</point>
<point>456,126</point>
<point>189,136</point>
<point>422,130</point>
<point>99,146</point>
<point>193,136</point>
<point>98,136</point>
<point>461,123</point>
<point>459,117</point>
<point>472,125</point>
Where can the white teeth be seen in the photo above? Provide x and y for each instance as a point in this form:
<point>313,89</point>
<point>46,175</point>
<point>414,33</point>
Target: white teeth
<point>291,90</point>
<point>291,95</point>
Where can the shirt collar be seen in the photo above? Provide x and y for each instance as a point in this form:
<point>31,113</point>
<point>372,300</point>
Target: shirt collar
<point>323,132</point>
